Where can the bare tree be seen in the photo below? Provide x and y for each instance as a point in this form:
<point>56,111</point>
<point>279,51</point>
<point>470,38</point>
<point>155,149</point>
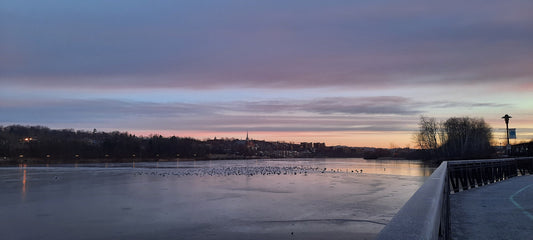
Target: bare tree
<point>427,135</point>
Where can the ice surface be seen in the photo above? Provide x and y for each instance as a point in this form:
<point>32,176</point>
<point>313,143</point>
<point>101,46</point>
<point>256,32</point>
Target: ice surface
<point>245,199</point>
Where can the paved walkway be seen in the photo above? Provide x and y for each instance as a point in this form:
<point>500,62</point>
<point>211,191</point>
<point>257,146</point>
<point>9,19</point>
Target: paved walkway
<point>501,210</point>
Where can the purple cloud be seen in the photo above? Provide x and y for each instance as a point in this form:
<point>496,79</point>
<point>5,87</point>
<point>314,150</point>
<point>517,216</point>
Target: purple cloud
<point>386,113</point>
<point>279,44</point>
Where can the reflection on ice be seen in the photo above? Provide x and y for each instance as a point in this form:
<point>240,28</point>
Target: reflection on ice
<point>197,168</point>
<point>23,182</point>
<point>251,199</point>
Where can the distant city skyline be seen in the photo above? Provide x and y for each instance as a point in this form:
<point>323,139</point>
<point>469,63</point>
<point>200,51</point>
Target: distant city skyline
<point>353,73</point>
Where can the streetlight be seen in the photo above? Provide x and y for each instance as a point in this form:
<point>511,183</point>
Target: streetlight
<point>506,118</point>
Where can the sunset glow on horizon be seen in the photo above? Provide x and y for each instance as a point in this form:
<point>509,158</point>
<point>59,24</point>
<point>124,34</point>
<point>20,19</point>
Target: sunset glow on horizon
<point>353,73</point>
<point>354,139</point>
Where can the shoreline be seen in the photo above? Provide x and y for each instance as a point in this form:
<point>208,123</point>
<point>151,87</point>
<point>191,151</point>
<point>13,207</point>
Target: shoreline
<point>40,161</point>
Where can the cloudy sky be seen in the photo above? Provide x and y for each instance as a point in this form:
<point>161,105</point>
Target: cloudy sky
<point>356,73</point>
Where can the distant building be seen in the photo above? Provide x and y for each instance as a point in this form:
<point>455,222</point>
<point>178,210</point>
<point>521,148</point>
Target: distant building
<point>306,145</point>
<point>319,145</point>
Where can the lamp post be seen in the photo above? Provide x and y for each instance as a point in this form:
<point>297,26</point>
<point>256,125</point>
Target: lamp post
<point>506,118</point>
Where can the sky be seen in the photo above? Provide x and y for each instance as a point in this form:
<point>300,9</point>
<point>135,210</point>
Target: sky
<point>343,72</point>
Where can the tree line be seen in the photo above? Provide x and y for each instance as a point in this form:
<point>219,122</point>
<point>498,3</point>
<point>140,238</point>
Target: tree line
<point>41,143</point>
<point>455,138</point>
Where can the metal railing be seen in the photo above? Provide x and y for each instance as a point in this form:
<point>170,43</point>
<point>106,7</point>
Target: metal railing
<point>426,213</point>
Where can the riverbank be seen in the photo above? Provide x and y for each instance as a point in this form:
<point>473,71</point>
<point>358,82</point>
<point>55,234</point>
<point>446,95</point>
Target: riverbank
<point>6,162</point>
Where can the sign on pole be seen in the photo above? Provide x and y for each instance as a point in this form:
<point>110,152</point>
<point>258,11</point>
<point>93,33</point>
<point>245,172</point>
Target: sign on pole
<point>512,133</point>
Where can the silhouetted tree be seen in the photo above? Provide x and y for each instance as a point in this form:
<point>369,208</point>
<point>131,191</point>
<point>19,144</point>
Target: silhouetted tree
<point>427,135</point>
<point>455,138</point>
<point>467,138</point>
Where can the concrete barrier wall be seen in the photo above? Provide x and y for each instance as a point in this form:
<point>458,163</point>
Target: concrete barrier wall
<point>425,215</point>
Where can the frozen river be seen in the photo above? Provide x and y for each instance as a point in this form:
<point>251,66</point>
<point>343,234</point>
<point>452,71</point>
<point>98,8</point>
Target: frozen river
<point>236,199</point>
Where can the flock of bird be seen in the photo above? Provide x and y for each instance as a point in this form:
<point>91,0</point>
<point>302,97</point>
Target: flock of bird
<point>246,171</point>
